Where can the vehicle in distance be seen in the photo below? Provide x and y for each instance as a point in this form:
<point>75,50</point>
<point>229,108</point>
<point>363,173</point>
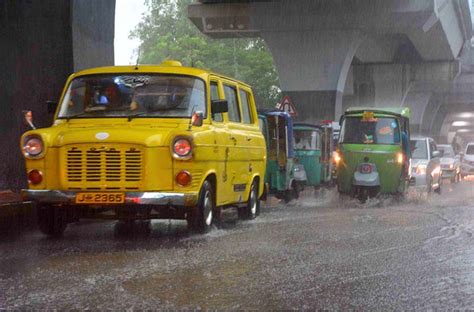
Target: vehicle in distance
<point>372,154</point>
<point>450,163</point>
<point>425,164</point>
<point>147,142</point>
<point>467,163</point>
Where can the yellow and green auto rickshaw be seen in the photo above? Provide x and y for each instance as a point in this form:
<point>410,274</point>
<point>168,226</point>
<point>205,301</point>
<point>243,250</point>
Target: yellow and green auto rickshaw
<point>313,149</point>
<point>373,153</point>
<point>284,178</point>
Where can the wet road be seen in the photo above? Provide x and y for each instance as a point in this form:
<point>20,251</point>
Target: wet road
<point>314,253</point>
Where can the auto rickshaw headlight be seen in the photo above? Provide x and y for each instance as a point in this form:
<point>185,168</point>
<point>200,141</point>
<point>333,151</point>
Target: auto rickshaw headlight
<point>33,146</point>
<point>336,157</point>
<point>400,158</point>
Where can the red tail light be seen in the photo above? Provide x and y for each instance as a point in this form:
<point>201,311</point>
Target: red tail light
<point>35,177</point>
<point>183,178</point>
<point>365,168</point>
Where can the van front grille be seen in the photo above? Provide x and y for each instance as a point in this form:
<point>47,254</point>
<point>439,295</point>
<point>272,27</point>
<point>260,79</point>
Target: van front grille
<point>104,167</point>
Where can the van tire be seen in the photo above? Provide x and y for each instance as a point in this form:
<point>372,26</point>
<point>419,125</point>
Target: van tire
<point>52,220</point>
<point>201,218</point>
<point>252,209</point>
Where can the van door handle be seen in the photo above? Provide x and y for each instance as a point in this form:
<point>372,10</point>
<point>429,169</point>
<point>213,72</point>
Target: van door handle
<point>233,139</point>
<point>249,138</point>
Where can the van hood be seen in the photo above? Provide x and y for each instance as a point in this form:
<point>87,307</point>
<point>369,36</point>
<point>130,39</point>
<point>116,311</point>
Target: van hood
<point>141,135</point>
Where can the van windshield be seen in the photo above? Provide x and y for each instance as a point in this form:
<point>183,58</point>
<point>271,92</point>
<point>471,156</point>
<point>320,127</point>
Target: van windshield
<point>381,130</point>
<point>125,95</point>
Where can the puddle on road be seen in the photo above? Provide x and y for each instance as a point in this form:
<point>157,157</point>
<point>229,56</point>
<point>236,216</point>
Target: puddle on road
<point>215,286</point>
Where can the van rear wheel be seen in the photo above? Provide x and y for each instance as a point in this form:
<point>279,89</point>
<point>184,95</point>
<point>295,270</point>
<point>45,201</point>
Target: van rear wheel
<point>252,209</point>
<point>52,220</point>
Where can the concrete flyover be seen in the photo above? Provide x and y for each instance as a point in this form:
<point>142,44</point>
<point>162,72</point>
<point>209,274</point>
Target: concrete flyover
<point>43,42</point>
<point>331,54</point>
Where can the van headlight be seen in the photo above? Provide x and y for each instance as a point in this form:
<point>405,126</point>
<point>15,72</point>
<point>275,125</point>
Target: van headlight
<point>33,146</point>
<point>182,148</point>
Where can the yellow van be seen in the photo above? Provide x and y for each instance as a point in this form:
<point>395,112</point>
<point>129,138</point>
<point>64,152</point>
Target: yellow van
<point>144,142</point>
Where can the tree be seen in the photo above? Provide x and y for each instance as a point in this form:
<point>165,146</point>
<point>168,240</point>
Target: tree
<point>167,33</point>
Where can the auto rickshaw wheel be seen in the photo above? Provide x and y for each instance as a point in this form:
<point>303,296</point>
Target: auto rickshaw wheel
<point>52,220</point>
<point>292,193</point>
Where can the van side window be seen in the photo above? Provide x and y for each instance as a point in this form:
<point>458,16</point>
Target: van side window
<point>231,97</point>
<point>215,96</point>
<point>244,100</point>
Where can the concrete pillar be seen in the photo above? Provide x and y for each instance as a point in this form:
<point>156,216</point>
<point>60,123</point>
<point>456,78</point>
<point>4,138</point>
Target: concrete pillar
<point>43,42</point>
<point>313,68</point>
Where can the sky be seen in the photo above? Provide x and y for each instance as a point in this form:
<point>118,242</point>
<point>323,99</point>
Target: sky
<point>128,13</point>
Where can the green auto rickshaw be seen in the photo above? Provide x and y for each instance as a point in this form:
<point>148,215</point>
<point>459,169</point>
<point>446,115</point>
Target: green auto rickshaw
<point>313,149</point>
<point>283,177</point>
<point>373,152</point>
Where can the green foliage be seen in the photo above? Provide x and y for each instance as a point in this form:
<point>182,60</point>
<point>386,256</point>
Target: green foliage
<point>167,33</point>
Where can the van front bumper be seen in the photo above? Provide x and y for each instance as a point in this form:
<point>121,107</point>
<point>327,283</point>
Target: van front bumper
<point>132,198</point>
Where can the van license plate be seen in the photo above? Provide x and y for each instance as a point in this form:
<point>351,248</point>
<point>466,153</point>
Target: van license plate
<point>100,198</point>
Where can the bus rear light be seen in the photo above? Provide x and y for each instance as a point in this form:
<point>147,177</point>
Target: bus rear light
<point>183,178</point>
<point>35,177</point>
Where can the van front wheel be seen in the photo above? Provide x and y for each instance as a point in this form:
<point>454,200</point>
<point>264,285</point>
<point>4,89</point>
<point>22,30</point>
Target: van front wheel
<point>200,218</point>
<point>52,220</point>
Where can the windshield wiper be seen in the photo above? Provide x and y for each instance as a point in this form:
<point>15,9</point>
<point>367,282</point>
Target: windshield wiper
<point>77,115</point>
<point>130,117</point>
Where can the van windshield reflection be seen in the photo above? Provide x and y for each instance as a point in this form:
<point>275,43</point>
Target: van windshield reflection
<point>133,96</point>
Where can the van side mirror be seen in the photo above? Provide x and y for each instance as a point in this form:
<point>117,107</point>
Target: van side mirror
<point>219,106</point>
<point>197,118</point>
<point>28,118</point>
<point>436,154</point>
<point>52,105</point>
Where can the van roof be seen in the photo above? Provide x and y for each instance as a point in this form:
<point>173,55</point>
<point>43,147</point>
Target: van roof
<point>167,67</point>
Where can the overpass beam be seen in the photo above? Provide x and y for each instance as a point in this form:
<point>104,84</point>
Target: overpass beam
<point>313,67</point>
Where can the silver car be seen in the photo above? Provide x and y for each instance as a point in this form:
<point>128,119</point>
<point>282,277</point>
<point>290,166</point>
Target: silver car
<point>425,164</point>
<point>467,163</point>
<point>450,163</point>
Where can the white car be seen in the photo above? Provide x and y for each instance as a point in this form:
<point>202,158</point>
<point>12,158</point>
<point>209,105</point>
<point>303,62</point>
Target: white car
<point>425,164</point>
<point>467,162</point>
<point>450,164</point>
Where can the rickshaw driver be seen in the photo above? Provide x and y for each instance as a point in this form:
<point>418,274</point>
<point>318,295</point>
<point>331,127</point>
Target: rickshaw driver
<point>302,141</point>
